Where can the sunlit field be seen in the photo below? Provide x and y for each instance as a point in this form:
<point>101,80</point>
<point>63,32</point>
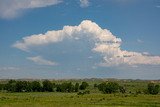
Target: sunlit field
<point>51,99</point>
<point>133,97</point>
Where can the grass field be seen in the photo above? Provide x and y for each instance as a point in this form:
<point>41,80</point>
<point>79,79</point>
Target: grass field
<point>54,99</point>
<point>94,99</point>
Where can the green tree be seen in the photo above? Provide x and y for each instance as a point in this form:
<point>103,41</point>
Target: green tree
<point>122,89</point>
<point>102,87</point>
<point>10,86</point>
<point>153,89</point>
<point>66,87</point>
<point>111,87</point>
<point>95,85</point>
<point>76,87</point>
<point>47,86</point>
<point>23,86</point>
<point>2,86</point>
<point>83,86</point>
<point>70,87</point>
<point>36,86</point>
<point>63,87</point>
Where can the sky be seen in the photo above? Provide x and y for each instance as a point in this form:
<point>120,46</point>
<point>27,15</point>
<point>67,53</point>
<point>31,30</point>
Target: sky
<point>64,39</point>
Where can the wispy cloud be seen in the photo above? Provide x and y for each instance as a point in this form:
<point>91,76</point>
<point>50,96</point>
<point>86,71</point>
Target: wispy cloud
<point>13,8</point>
<point>84,3</point>
<point>106,44</point>
<point>158,6</point>
<point>41,61</point>
<point>139,41</point>
<point>9,68</point>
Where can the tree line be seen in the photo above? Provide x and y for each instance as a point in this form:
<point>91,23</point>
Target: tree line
<point>113,87</point>
<point>48,86</point>
<point>45,86</point>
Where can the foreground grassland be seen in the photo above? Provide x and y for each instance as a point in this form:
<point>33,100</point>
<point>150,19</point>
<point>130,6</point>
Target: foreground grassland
<point>134,96</point>
<point>54,99</point>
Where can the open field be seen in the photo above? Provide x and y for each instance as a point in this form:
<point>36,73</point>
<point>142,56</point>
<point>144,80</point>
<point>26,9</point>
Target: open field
<point>95,99</point>
<point>50,99</point>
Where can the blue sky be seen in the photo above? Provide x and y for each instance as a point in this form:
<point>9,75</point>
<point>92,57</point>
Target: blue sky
<point>127,48</point>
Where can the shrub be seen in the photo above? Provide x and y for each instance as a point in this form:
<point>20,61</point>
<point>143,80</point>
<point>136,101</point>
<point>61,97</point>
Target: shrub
<point>83,86</point>
<point>76,88</point>
<point>122,89</point>
<point>84,92</point>
<point>10,86</point>
<point>111,87</point>
<point>65,87</point>
<point>153,89</point>
<point>102,87</point>
<point>47,86</point>
<point>95,85</point>
<point>36,86</point>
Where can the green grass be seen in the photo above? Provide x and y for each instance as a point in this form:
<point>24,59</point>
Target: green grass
<point>95,99</point>
<point>54,99</point>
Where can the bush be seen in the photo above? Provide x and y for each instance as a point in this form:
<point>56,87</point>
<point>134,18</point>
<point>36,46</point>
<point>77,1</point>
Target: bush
<point>111,87</point>
<point>102,87</point>
<point>122,89</point>
<point>95,85</point>
<point>10,86</point>
<point>153,89</point>
<point>2,86</point>
<point>47,86</point>
<point>65,87</point>
<point>76,88</point>
<point>23,86</point>
<point>84,92</point>
<point>36,86</point>
<point>83,86</point>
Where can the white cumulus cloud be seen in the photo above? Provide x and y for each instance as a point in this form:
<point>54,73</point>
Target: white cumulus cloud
<point>108,45</point>
<point>86,28</point>
<point>12,8</point>
<point>84,3</point>
<point>41,61</point>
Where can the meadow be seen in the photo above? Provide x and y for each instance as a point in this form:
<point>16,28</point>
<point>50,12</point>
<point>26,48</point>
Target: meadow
<point>52,99</point>
<point>95,99</point>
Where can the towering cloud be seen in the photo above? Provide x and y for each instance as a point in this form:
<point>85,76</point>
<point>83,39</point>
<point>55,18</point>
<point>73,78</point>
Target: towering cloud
<point>105,42</point>
<point>12,8</point>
